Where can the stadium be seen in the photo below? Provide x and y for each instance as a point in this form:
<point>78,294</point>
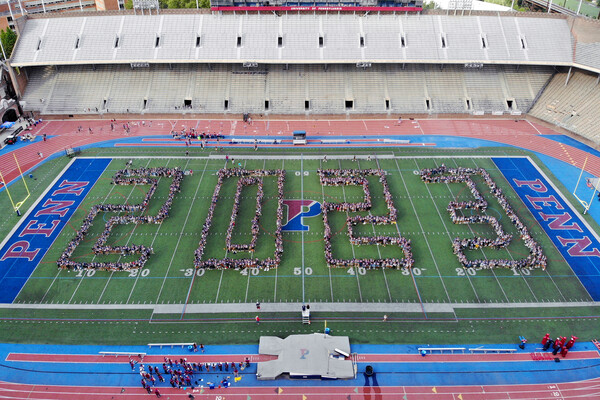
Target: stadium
<point>341,201</point>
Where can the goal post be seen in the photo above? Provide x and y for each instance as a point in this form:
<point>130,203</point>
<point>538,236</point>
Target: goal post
<point>593,183</point>
<point>16,206</point>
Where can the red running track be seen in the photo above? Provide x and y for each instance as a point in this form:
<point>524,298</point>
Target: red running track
<point>371,358</point>
<point>521,133</point>
<point>589,389</point>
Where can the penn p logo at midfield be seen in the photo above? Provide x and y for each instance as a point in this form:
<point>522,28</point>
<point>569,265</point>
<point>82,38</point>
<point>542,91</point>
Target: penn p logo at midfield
<point>297,210</point>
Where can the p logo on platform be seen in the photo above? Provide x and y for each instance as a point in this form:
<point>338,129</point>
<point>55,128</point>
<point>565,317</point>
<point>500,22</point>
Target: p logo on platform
<point>296,211</point>
<point>304,353</point>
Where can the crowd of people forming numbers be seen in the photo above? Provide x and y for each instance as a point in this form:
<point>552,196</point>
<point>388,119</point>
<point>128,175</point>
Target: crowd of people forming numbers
<point>247,177</point>
<point>127,176</point>
<point>343,177</point>
<point>443,174</point>
<point>134,214</point>
<point>150,176</point>
<point>245,181</point>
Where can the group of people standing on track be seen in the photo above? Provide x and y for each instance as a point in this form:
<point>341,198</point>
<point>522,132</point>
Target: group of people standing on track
<point>184,374</point>
<point>560,345</point>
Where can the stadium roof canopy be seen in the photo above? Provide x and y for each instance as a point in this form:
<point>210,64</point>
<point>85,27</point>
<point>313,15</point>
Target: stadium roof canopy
<point>294,38</point>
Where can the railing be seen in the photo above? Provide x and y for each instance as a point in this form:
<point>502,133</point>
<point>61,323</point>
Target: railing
<point>354,357</point>
<point>441,349</point>
<point>485,351</point>
<point>121,353</point>
<point>160,345</point>
<point>334,141</point>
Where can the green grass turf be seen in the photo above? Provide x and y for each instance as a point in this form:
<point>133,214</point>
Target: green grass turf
<point>167,277</point>
<point>110,327</point>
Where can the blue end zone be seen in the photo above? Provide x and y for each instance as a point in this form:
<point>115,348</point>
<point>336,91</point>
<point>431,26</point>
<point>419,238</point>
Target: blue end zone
<point>29,243</point>
<point>568,232</point>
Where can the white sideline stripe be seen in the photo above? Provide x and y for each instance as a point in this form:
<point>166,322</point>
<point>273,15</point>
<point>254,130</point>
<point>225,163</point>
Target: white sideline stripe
<point>377,308</point>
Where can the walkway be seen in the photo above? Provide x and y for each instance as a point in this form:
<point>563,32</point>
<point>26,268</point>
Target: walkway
<point>65,134</point>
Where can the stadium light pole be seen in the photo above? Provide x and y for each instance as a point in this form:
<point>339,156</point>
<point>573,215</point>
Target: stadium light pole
<point>579,8</point>
<point>2,47</point>
<point>43,6</point>
<point>10,10</point>
<point>197,6</point>
<point>21,8</point>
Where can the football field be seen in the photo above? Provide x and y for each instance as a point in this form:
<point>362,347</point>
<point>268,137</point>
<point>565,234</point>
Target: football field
<point>170,277</point>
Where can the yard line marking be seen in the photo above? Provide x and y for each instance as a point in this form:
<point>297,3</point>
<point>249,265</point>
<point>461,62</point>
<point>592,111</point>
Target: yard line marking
<point>480,249</point>
<point>544,233</point>
<point>219,287</point>
<point>509,253</point>
<point>179,239</point>
<point>328,268</point>
<point>128,240</point>
<point>277,269</point>
<point>248,270</point>
<point>153,240</point>
<point>378,250</point>
<point>60,269</point>
<point>400,234</point>
<point>424,236</point>
<point>93,258</point>
<point>449,235</point>
<point>222,271</point>
<point>51,284</point>
<point>302,233</point>
<point>351,244</point>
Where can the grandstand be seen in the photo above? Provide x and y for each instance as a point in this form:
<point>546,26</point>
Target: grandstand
<point>573,106</point>
<point>275,89</point>
<point>311,64</point>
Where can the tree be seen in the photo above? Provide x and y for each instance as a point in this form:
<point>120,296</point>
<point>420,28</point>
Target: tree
<point>128,4</point>
<point>181,3</point>
<point>8,38</point>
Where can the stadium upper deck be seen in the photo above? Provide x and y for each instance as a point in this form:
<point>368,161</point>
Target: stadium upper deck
<point>306,63</point>
<point>295,39</point>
